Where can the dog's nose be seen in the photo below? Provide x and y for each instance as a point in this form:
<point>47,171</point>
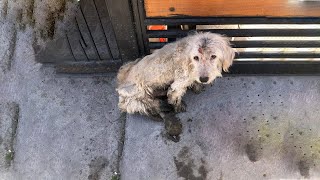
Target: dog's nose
<point>204,79</point>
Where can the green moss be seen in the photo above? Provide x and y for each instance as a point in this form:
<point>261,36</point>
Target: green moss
<point>9,157</point>
<point>115,177</point>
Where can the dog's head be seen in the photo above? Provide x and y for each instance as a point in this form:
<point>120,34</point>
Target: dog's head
<point>209,54</point>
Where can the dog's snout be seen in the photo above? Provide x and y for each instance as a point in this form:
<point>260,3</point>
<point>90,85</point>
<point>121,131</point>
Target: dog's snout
<point>204,79</point>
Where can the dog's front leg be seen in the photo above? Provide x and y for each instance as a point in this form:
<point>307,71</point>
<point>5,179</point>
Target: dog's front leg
<point>175,93</point>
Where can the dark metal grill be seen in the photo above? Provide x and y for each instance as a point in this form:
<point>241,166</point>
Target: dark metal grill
<point>172,33</point>
<point>231,20</point>
<point>193,22</point>
<point>253,44</point>
<point>304,43</point>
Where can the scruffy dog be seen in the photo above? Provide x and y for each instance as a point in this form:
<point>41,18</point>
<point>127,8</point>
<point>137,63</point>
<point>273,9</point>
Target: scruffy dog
<point>190,62</point>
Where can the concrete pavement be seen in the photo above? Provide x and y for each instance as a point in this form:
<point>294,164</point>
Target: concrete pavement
<point>69,127</point>
<point>59,127</point>
<point>241,128</point>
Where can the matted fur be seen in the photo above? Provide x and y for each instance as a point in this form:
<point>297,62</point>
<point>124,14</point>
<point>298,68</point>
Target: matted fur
<point>175,66</point>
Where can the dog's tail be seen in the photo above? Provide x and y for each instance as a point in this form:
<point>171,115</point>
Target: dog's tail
<point>123,71</point>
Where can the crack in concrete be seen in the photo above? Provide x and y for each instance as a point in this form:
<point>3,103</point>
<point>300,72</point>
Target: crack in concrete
<point>123,120</point>
<point>12,112</point>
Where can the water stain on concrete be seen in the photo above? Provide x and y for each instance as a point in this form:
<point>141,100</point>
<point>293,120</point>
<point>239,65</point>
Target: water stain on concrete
<point>262,138</point>
<point>173,127</point>
<point>12,48</point>
<point>10,111</point>
<point>61,10</point>
<point>304,168</point>
<point>186,166</point>
<point>6,62</point>
<point>221,176</point>
<point>26,14</point>
<point>51,26</point>
<point>96,166</point>
<point>19,16</point>
<point>54,13</point>
<point>184,152</point>
<point>301,148</point>
<point>5,9</point>
<point>29,13</point>
<point>53,16</point>
<point>253,151</point>
<point>186,170</point>
<point>203,171</point>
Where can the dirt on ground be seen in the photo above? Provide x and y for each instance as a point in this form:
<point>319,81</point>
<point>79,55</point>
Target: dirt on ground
<point>46,17</point>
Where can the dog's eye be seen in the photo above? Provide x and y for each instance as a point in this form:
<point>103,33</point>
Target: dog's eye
<point>213,57</point>
<point>196,58</point>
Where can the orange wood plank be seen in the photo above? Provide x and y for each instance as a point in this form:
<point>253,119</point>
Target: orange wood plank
<point>272,8</point>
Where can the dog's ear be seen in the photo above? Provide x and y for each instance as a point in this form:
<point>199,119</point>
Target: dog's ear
<point>227,54</point>
<point>182,52</point>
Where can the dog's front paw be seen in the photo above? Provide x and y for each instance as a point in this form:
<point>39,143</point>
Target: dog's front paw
<point>198,88</point>
<point>182,107</point>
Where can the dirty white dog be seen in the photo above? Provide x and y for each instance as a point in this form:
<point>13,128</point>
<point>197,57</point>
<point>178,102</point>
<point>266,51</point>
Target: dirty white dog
<point>190,62</point>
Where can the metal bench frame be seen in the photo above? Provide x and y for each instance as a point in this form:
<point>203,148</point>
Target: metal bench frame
<point>239,67</point>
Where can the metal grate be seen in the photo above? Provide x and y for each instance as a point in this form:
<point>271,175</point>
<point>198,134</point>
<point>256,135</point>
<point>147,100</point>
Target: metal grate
<point>264,45</point>
<point>259,42</point>
<point>105,34</point>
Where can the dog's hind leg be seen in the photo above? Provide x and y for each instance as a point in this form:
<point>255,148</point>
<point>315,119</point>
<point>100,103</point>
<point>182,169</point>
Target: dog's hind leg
<point>137,100</point>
